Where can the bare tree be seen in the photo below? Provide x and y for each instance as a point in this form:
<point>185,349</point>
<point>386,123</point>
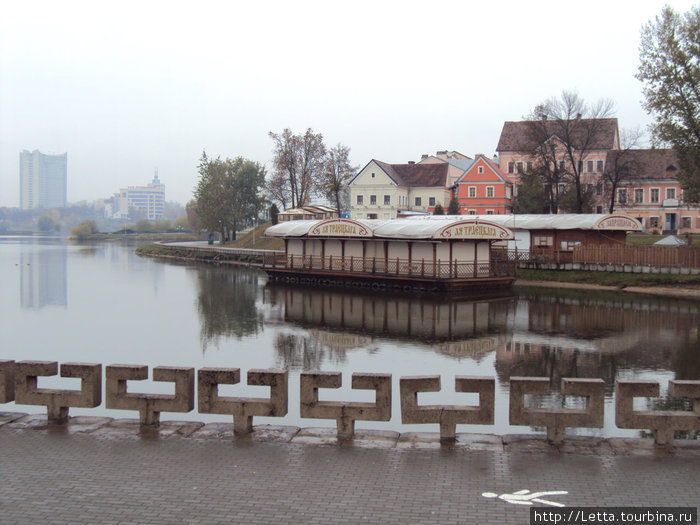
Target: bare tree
<point>299,162</point>
<point>568,129</point>
<point>622,165</point>
<point>336,176</point>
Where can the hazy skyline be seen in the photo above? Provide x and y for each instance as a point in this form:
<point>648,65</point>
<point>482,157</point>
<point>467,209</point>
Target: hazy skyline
<point>130,87</point>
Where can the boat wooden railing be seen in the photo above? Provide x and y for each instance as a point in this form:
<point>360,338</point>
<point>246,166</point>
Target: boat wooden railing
<point>392,266</point>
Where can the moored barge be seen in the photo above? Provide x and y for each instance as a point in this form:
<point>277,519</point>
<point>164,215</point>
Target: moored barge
<point>450,254</point>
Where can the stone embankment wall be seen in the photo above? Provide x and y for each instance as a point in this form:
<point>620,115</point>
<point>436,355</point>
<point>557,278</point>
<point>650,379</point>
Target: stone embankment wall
<point>18,383</point>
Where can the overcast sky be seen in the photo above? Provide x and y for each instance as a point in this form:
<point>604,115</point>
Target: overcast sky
<point>127,87</point>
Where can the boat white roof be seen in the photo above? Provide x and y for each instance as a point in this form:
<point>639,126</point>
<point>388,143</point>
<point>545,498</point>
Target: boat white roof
<point>562,221</point>
<point>435,226</point>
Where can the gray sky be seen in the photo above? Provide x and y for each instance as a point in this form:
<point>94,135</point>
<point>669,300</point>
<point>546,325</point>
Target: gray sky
<point>127,87</point>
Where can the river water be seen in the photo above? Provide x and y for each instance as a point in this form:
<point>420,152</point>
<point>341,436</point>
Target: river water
<point>102,303</point>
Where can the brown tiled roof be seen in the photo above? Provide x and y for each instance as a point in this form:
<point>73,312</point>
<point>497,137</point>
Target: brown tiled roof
<point>516,136</point>
<point>416,175</point>
<point>647,163</point>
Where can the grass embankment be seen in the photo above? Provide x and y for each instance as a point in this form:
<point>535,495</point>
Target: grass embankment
<point>648,239</point>
<point>245,240</point>
<point>611,278</point>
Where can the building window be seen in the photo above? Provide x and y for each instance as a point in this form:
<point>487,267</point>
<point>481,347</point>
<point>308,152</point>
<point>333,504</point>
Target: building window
<point>600,166</point>
<point>561,188</point>
<point>418,201</point>
<point>431,201</point>
<point>480,169</point>
<point>580,166</point>
<point>599,189</point>
<point>511,167</point>
<point>622,196</point>
<point>520,167</point>
<point>542,240</point>
<point>472,192</point>
<point>373,175</point>
<point>529,166</point>
<point>562,165</point>
<point>489,212</point>
<point>654,195</point>
<point>360,200</point>
<point>489,192</point>
<point>472,212</point>
<point>670,193</point>
<point>589,166</point>
<point>387,200</point>
<point>507,192</point>
<point>653,222</point>
<point>638,196</point>
<point>599,209</point>
<point>372,200</point>
<point>686,222</point>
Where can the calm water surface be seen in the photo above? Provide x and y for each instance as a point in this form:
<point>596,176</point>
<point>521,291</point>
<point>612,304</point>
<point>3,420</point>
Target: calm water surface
<point>102,303</point>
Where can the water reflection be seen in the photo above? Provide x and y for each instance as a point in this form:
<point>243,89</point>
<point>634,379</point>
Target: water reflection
<point>227,303</point>
<point>43,278</point>
<point>532,334</point>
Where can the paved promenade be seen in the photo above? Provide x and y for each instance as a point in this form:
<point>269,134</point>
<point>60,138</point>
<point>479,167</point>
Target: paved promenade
<point>75,475</point>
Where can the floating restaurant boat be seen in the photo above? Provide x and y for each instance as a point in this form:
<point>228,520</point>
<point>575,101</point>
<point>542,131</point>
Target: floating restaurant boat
<point>450,254</point>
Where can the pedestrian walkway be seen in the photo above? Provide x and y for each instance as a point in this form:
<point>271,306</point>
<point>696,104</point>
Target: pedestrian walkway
<point>60,476</point>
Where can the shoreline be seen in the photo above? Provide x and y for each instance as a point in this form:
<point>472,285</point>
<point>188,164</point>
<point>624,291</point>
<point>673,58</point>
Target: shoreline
<point>663,291</point>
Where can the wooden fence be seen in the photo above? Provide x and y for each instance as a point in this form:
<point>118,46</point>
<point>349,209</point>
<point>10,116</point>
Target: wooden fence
<point>654,256</point>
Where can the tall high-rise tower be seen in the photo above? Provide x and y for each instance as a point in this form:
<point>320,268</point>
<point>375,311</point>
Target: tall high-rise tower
<point>43,180</point>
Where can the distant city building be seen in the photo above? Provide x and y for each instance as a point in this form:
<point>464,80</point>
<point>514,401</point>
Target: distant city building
<point>138,202</point>
<point>43,180</point>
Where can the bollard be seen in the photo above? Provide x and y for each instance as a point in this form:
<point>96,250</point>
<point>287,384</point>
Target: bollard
<point>57,401</point>
<point>242,408</point>
<point>7,381</point>
<point>447,416</point>
<point>556,420</point>
<point>345,413</point>
<point>663,423</point>
<point>150,406</point>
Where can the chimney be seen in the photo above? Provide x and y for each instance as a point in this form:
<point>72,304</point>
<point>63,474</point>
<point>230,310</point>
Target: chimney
<point>424,156</point>
<point>411,161</point>
<point>578,116</point>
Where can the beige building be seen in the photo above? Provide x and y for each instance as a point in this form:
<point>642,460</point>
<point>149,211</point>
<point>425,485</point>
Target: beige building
<point>383,191</point>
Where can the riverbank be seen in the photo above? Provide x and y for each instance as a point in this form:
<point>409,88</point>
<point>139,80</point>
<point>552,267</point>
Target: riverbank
<point>667,285</point>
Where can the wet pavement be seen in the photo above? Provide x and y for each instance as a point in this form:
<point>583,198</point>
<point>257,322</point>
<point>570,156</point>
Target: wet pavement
<point>96,470</point>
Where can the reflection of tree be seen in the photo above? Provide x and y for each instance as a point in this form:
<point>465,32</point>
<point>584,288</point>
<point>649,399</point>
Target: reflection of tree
<point>226,303</point>
<point>297,352</point>
<point>688,361</point>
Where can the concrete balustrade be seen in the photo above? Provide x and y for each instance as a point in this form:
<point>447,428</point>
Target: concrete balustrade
<point>243,409</point>
<point>7,381</point>
<point>18,382</point>
<point>556,420</point>
<point>447,416</point>
<point>149,406</point>
<point>57,401</point>
<point>344,412</point>
<point>664,423</point>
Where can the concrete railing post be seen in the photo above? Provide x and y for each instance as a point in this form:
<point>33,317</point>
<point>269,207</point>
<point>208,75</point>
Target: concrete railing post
<point>150,406</point>
<point>556,420</point>
<point>242,408</point>
<point>345,413</point>
<point>663,423</point>
<point>447,416</point>
<point>7,381</point>
<point>57,401</point>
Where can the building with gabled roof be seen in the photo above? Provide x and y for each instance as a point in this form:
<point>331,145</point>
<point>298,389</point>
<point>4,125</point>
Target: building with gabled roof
<point>591,138</point>
<point>650,191</point>
<point>457,162</point>
<point>381,190</point>
<point>484,190</point>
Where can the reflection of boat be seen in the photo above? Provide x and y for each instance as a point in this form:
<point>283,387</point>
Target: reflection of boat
<point>405,316</point>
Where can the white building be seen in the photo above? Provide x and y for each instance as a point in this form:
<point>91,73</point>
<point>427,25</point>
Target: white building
<point>135,202</point>
<point>43,180</point>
